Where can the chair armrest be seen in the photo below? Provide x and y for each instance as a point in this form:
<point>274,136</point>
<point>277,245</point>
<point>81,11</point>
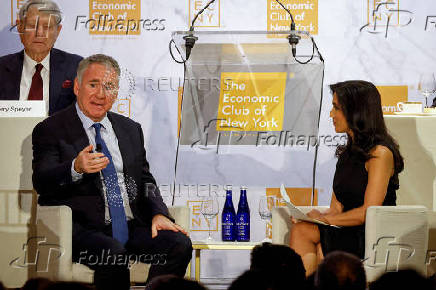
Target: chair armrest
<point>281,225</point>
<point>396,237</point>
<point>54,225</point>
<point>431,261</point>
<point>281,222</point>
<point>181,215</point>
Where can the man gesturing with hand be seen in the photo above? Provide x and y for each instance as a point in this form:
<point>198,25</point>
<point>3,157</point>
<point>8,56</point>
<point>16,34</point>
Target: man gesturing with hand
<point>118,212</point>
<point>89,162</point>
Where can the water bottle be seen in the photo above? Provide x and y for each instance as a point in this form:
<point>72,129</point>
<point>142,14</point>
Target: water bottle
<point>228,218</point>
<point>243,218</point>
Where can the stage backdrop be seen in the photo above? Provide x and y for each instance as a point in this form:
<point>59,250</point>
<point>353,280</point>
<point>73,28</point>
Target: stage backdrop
<point>390,44</point>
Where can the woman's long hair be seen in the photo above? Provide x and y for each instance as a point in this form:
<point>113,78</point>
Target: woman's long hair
<point>361,105</point>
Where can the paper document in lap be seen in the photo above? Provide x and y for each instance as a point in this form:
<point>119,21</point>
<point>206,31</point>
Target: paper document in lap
<point>297,213</point>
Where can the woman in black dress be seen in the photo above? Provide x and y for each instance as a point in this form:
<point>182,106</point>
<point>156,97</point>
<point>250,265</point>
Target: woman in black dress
<point>366,175</point>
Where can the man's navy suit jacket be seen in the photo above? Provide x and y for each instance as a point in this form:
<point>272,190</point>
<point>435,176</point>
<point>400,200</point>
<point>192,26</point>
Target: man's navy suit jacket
<point>58,140</point>
<point>63,67</point>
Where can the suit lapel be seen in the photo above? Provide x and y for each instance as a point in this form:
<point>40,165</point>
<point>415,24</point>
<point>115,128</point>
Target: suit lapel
<point>15,69</point>
<point>56,77</point>
<point>123,140</point>
<point>75,130</point>
<point>78,137</point>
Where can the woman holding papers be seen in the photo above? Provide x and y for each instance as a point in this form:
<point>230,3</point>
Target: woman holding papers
<point>366,175</point>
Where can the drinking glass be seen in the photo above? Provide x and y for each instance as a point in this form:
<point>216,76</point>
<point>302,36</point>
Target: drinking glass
<point>266,204</point>
<point>209,209</point>
<point>427,85</point>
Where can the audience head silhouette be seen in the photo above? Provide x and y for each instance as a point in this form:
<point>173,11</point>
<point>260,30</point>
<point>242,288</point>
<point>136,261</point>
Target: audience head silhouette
<point>37,284</point>
<point>402,279</point>
<point>278,263</point>
<point>170,282</point>
<point>256,280</point>
<point>340,271</point>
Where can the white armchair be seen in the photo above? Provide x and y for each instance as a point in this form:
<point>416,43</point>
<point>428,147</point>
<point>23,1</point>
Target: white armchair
<point>396,237</point>
<point>54,227</point>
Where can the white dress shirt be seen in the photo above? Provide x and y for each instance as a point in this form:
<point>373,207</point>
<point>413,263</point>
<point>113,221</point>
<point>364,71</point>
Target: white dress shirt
<point>111,140</point>
<point>27,75</point>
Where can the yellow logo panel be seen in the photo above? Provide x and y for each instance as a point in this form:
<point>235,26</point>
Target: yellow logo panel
<point>122,106</point>
<point>15,7</point>
<point>179,110</point>
<point>197,220</point>
<point>300,196</point>
<point>305,13</point>
<point>380,10</point>
<point>115,17</point>
<point>211,17</point>
<point>391,96</point>
<point>251,101</point>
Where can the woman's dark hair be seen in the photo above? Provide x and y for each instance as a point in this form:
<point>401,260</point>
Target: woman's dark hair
<point>361,105</point>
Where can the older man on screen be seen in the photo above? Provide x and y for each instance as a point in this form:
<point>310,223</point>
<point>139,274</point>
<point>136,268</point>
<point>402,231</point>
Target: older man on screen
<point>39,72</point>
<point>94,161</point>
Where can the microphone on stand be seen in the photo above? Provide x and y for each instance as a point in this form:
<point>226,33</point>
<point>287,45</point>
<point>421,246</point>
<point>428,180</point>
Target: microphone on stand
<point>293,37</point>
<point>190,39</point>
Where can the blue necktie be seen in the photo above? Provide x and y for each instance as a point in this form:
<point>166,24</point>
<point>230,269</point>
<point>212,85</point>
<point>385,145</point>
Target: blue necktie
<point>120,230</point>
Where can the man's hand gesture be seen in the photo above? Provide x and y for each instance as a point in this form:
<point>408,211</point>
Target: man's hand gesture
<point>89,162</point>
<point>161,222</point>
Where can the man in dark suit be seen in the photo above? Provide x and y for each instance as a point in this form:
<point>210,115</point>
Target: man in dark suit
<point>118,211</point>
<point>39,72</point>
